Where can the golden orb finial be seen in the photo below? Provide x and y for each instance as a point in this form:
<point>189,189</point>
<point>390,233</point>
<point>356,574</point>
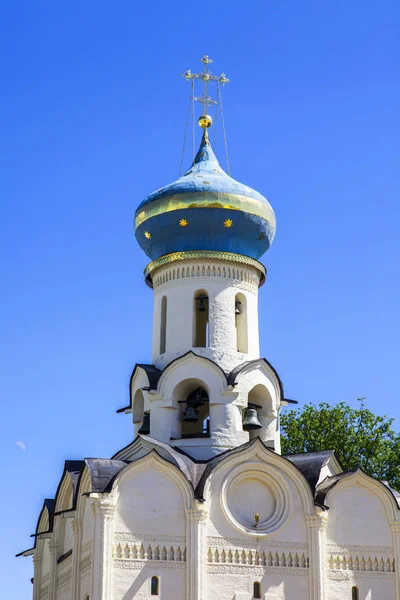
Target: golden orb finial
<point>205,121</point>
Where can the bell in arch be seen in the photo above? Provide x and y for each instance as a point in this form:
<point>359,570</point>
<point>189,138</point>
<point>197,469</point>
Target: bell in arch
<point>145,428</point>
<point>190,415</point>
<point>250,420</point>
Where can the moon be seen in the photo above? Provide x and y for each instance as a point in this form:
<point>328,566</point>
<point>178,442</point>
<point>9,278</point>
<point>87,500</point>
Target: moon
<point>21,445</point>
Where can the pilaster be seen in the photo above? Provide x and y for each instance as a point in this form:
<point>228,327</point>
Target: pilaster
<point>316,526</point>
<point>76,558</point>
<point>103,513</point>
<point>37,575</point>
<point>195,553</point>
<point>395,526</point>
<point>53,547</point>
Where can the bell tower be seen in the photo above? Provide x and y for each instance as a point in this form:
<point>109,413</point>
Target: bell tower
<point>205,233</point>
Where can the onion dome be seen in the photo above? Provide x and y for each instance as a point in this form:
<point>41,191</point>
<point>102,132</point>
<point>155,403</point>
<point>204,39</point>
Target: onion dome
<point>205,209</point>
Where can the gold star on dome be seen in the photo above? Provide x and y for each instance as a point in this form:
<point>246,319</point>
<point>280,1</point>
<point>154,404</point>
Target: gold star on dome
<point>228,223</point>
<point>183,223</point>
<point>261,236</point>
<point>147,235</point>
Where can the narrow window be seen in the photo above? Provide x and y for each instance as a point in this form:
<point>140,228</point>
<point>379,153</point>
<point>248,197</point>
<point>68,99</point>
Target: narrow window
<point>154,586</point>
<point>241,323</point>
<point>354,593</point>
<point>200,319</point>
<point>257,589</point>
<point>163,325</point>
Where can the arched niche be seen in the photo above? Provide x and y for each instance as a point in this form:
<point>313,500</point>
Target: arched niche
<point>200,319</point>
<point>138,410</point>
<point>192,395</point>
<point>260,397</point>
<point>242,340</point>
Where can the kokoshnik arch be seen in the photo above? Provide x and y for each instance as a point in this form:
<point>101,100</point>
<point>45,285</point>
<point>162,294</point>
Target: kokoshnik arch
<point>201,504</point>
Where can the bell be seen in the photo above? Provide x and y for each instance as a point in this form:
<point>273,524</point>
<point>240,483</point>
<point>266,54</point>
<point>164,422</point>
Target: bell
<point>250,420</point>
<point>190,415</point>
<point>202,302</point>
<point>237,307</point>
<point>145,428</point>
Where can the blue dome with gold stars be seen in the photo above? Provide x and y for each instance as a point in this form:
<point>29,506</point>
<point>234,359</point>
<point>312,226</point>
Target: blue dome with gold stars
<point>205,209</point>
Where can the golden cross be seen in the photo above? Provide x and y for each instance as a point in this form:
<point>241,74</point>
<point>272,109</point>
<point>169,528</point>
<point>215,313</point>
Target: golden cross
<point>206,76</point>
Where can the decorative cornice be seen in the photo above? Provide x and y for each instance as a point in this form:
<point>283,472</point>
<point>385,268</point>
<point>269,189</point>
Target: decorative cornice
<point>207,255</point>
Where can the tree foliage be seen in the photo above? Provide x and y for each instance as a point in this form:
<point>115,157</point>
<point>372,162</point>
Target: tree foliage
<point>360,438</point>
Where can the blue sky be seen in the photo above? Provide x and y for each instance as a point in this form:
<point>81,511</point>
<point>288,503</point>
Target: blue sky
<point>92,117</point>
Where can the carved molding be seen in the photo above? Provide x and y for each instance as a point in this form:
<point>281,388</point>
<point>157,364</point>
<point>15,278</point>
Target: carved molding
<point>64,578</point>
<point>197,514</point>
<point>138,565</point>
<point>76,526</point>
<point>135,538</point>
<point>254,570</point>
<point>354,575</point>
<point>87,547</point>
<point>334,548</point>
<point>239,543</point>
<point>86,563</point>
<point>101,509</point>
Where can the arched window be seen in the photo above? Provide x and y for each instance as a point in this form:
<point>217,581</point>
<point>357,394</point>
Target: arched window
<point>163,325</point>
<point>200,324</point>
<point>354,593</point>
<point>138,409</point>
<point>155,584</point>
<point>257,589</point>
<point>87,597</point>
<point>196,415</point>
<point>242,344</point>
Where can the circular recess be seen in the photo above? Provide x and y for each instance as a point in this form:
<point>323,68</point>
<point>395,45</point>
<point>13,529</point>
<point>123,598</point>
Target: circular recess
<point>256,500</point>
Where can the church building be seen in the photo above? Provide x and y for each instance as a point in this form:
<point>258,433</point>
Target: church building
<point>202,505</point>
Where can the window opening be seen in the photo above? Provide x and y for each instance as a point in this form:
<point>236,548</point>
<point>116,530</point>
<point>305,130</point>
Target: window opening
<point>257,589</point>
<point>163,325</point>
<point>154,586</point>
<point>354,593</point>
<point>145,428</point>
<point>201,328</point>
<point>196,416</point>
<point>241,323</point>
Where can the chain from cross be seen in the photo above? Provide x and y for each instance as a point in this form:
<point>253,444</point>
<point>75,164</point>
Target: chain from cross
<point>206,76</point>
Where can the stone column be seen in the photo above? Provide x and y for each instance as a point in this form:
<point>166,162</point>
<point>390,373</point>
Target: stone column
<point>195,553</point>
<point>103,512</point>
<point>316,525</point>
<point>76,559</point>
<point>395,526</point>
<point>53,547</point>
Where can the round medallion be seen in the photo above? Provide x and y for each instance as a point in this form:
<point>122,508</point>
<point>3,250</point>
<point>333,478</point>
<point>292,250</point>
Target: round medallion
<point>256,500</point>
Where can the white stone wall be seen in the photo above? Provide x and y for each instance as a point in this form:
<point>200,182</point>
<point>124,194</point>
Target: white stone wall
<point>222,281</point>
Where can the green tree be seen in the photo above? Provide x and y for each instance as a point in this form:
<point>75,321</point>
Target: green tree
<point>360,438</point>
